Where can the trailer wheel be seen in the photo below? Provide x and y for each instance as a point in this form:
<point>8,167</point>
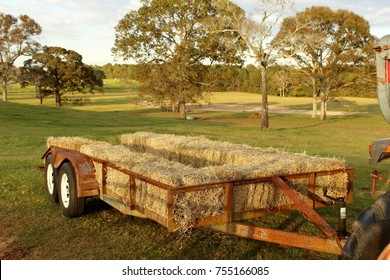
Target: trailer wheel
<point>371,231</point>
<point>51,180</point>
<point>70,204</point>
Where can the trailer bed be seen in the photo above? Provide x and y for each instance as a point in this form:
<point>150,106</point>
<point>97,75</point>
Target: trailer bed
<point>92,179</point>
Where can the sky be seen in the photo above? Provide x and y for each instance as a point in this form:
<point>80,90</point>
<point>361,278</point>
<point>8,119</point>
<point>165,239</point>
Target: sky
<point>88,26</point>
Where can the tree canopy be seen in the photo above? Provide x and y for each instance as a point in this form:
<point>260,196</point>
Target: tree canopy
<point>326,43</point>
<point>16,39</point>
<point>256,32</point>
<point>57,70</point>
<point>173,38</point>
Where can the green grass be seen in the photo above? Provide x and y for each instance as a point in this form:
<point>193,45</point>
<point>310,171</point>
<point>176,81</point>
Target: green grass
<point>33,228</point>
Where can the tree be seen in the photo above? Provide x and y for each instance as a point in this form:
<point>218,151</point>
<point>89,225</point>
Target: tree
<point>283,80</point>
<point>16,39</point>
<point>256,32</point>
<point>329,43</point>
<point>62,71</point>
<point>34,75</point>
<point>171,36</point>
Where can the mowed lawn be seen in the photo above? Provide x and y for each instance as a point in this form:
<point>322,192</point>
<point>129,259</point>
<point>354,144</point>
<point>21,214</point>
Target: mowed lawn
<point>33,228</point>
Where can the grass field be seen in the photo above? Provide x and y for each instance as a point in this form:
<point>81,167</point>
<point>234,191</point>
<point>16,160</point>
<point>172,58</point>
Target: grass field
<point>33,228</point>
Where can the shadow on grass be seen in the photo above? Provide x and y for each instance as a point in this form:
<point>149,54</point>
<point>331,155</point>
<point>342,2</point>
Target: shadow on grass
<point>95,205</point>
<point>308,122</point>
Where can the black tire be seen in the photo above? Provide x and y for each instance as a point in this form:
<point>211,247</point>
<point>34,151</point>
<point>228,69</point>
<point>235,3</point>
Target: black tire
<point>51,179</point>
<point>370,231</point>
<point>71,205</point>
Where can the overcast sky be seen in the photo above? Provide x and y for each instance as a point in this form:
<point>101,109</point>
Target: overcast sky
<point>87,26</point>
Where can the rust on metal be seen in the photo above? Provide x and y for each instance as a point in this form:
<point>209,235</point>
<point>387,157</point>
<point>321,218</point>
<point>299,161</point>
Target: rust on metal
<point>104,177</point>
<point>87,184</point>
<point>229,201</point>
<point>113,201</point>
<point>310,190</point>
<point>327,245</point>
<point>375,177</point>
<point>170,204</point>
<point>350,192</point>
<point>132,192</point>
<point>308,212</point>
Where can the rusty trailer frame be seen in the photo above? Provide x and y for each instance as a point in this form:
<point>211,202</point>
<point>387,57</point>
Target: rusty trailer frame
<point>227,222</point>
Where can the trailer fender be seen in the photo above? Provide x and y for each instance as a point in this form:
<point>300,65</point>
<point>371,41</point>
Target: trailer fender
<point>87,184</point>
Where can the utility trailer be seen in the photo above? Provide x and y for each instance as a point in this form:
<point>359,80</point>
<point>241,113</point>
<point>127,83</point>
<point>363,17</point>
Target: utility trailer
<point>71,177</point>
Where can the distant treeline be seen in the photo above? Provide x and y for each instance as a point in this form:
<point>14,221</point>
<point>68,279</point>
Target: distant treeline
<point>283,80</point>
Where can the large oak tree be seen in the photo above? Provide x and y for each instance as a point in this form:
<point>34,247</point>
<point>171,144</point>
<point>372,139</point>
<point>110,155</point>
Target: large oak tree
<point>328,43</point>
<point>16,39</point>
<point>171,38</point>
<point>61,71</point>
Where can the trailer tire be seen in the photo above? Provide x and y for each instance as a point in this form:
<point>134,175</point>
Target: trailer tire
<point>370,231</point>
<point>51,179</point>
<point>70,204</point>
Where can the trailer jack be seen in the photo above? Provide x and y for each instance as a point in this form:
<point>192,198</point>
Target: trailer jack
<point>342,219</point>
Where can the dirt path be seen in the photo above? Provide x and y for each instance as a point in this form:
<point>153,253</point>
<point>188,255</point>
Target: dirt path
<point>272,109</point>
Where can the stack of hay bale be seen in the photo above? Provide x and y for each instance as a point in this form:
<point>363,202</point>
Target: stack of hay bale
<point>187,207</point>
<point>184,161</point>
<point>229,161</point>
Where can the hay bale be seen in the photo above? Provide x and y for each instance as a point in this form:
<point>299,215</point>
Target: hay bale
<point>184,161</point>
<point>228,161</point>
<point>117,154</point>
<point>258,196</point>
<point>191,206</point>
<point>194,151</point>
<point>146,195</point>
<point>71,143</point>
<point>187,208</point>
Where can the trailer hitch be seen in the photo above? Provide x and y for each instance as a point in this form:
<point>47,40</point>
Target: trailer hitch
<point>342,219</point>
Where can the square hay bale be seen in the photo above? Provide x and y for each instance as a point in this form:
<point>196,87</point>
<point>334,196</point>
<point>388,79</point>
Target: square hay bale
<point>228,161</point>
<point>186,161</point>
<point>194,151</point>
<point>187,208</point>
<point>71,143</point>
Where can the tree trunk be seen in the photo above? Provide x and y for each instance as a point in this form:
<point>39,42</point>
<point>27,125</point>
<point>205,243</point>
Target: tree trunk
<point>182,108</point>
<point>314,112</point>
<point>5,89</point>
<point>264,97</point>
<point>324,105</point>
<point>58,100</point>
<point>39,94</point>
<point>315,99</point>
<point>173,107</point>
